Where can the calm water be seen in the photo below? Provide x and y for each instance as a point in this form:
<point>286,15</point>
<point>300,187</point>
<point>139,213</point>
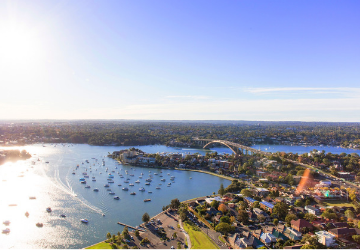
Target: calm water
<point>55,186</point>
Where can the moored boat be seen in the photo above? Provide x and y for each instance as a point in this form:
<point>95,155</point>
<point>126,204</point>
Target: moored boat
<point>84,220</point>
<point>48,209</point>
<point>146,200</point>
<point>6,231</point>
<point>39,224</point>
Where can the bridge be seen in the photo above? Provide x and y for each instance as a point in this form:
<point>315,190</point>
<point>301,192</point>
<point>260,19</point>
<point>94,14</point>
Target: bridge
<point>236,148</point>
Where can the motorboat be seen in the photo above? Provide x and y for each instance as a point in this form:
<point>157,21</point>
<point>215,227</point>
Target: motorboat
<point>73,172</point>
<point>158,187</point>
<point>82,179</point>
<point>119,185</point>
<point>83,182</point>
<point>84,220</point>
<point>172,177</point>
<point>39,224</point>
<point>62,215</point>
<point>6,223</point>
<point>147,183</point>
<point>106,185</point>
<point>116,198</point>
<point>169,183</point>
<point>142,189</point>
<point>48,209</point>
<point>96,190</point>
<point>27,214</point>
<point>150,192</point>
<point>149,180</point>
<point>126,181</point>
<point>109,189</point>
<point>125,189</point>
<point>133,193</point>
<point>137,181</point>
<point>146,200</point>
<point>112,193</point>
<point>110,181</point>
<point>131,184</point>
<point>163,180</point>
<point>87,186</point>
<point>32,197</point>
<point>6,231</point>
<point>93,180</point>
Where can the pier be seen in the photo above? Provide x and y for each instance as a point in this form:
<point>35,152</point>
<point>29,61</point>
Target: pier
<point>139,228</point>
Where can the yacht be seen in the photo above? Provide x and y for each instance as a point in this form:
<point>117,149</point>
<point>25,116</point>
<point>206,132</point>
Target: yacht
<point>96,190</point>
<point>84,220</point>
<point>110,181</point>
<point>147,183</point>
<point>83,182</point>
<point>62,215</point>
<point>163,180</point>
<point>48,209</point>
<point>142,189</point>
<point>126,181</point>
<point>149,180</point>
<point>146,200</point>
<point>6,223</point>
<point>150,192</point>
<point>27,214</point>
<point>131,184</point>
<point>133,193</point>
<point>137,181</point>
<point>116,198</point>
<point>108,189</point>
<point>125,189</point>
<point>32,197</point>
<point>106,185</point>
<point>112,193</point>
<point>6,231</point>
<point>158,187</point>
<point>82,179</point>
<point>87,186</point>
<point>119,185</point>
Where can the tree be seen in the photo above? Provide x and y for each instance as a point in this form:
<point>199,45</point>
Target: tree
<point>289,218</point>
<point>243,217</point>
<point>256,204</point>
<point>276,222</point>
<point>221,190</point>
<point>224,228</point>
<point>214,204</point>
<point>225,219</point>
<point>125,232</point>
<point>137,233</point>
<point>349,214</point>
<point>299,203</point>
<point>356,238</point>
<point>174,235</point>
<point>309,217</point>
<point>146,217</point>
<point>246,192</point>
<point>328,215</point>
<point>175,203</point>
<point>281,210</point>
<point>222,208</point>
<point>108,235</point>
<point>179,245</point>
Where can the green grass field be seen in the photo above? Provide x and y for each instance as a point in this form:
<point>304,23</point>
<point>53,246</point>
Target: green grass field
<point>198,239</point>
<point>338,203</point>
<point>101,245</point>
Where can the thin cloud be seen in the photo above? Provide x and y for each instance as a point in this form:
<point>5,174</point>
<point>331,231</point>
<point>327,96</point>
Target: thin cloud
<point>195,97</point>
<point>299,89</point>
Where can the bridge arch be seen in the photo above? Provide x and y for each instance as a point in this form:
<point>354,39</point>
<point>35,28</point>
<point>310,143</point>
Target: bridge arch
<point>236,152</point>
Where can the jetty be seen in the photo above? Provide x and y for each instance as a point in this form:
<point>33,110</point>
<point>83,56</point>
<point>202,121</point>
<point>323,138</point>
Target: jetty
<point>139,228</point>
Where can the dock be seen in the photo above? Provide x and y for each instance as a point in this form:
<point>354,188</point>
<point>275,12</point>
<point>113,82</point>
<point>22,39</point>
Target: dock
<point>139,228</point>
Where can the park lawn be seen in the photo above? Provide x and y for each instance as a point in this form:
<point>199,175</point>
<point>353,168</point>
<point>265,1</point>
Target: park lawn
<point>198,239</point>
<point>338,203</point>
<point>101,245</point>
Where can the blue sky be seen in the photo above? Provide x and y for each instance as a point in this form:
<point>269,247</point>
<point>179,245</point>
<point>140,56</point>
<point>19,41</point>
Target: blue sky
<point>193,60</point>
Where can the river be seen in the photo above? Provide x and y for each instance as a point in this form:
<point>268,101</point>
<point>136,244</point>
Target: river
<point>55,186</point>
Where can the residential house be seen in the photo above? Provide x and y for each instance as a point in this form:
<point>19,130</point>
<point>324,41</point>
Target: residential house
<point>312,210</point>
<point>267,206</point>
<point>342,232</point>
<point>267,238</point>
<point>300,224</point>
<point>325,238</point>
<point>250,201</point>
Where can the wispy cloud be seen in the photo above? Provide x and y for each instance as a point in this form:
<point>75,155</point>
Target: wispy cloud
<point>194,97</point>
<point>301,89</point>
